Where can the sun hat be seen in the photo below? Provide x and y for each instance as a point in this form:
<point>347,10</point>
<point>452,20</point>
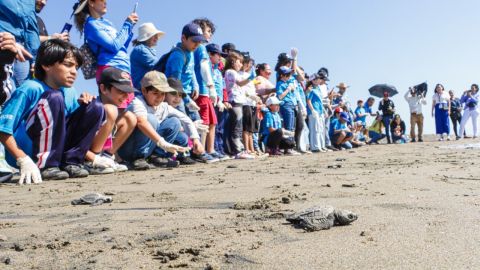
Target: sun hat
<point>273,100</point>
<point>79,6</point>
<point>148,30</point>
<point>342,85</point>
<point>177,85</point>
<point>157,80</point>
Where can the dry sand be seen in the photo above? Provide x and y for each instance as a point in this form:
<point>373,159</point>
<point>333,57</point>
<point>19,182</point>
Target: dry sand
<point>418,207</point>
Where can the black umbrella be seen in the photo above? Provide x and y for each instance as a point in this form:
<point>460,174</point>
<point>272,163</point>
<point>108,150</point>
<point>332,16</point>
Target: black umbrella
<point>379,89</point>
<point>421,89</point>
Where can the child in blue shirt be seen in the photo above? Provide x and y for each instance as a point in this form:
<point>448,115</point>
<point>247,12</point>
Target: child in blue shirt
<point>45,126</point>
<point>181,65</point>
<point>341,134</point>
<point>285,93</point>
<point>360,113</point>
<point>274,136</point>
<point>316,117</point>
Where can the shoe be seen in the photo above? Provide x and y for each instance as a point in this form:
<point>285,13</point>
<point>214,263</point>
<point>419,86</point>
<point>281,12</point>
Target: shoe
<point>54,173</point>
<point>275,152</point>
<point>316,151</point>
<point>332,148</point>
<point>327,150</point>
<point>186,160</point>
<point>291,152</point>
<point>163,162</point>
<point>97,170</point>
<point>220,156</point>
<point>5,176</point>
<point>204,158</point>
<point>260,154</point>
<point>413,140</point>
<point>76,171</point>
<point>120,167</point>
<point>244,155</point>
<point>141,165</point>
<point>420,140</point>
<point>295,153</point>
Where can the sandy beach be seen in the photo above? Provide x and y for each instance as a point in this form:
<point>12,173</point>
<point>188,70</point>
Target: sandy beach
<point>418,207</point>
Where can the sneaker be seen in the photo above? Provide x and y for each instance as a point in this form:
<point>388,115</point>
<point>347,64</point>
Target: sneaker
<point>204,158</point>
<point>141,165</point>
<point>97,170</point>
<point>316,151</point>
<point>244,155</point>
<point>260,154</point>
<point>163,162</point>
<point>413,140</point>
<point>186,160</point>
<point>54,173</point>
<point>220,156</point>
<point>120,167</point>
<point>327,150</point>
<point>291,152</point>
<point>5,176</point>
<point>332,148</point>
<point>76,171</point>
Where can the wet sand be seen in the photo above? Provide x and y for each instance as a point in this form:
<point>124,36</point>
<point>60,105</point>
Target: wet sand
<point>418,207</point>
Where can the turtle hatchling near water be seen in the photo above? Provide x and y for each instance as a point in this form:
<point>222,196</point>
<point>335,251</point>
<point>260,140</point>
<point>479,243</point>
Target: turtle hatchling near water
<point>93,199</point>
<point>321,218</point>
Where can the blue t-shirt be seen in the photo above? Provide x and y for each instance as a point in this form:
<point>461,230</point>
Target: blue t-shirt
<point>181,66</point>
<point>290,98</point>
<point>367,108</point>
<point>358,111</point>
<point>338,125</point>
<point>271,120</point>
<point>331,128</point>
<point>315,98</point>
<point>19,107</point>
<point>143,60</point>
<point>200,55</point>
<point>219,82</point>
<point>108,44</point>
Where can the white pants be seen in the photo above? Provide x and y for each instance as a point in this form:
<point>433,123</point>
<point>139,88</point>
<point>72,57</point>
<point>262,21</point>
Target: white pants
<point>304,139</point>
<point>467,114</point>
<point>317,132</point>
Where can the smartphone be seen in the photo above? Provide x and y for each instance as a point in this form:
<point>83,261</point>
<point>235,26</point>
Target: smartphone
<point>135,7</point>
<point>66,28</point>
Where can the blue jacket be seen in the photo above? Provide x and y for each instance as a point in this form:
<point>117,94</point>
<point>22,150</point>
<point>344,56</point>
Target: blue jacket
<point>180,65</point>
<point>107,44</point>
<point>142,59</point>
<point>18,18</point>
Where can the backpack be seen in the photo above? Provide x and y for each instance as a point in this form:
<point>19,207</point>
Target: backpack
<point>161,65</point>
<point>89,67</point>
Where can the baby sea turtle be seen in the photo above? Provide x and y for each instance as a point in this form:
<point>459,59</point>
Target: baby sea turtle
<point>322,218</point>
<point>93,199</point>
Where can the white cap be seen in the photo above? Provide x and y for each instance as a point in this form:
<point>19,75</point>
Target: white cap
<point>273,100</point>
<point>148,30</point>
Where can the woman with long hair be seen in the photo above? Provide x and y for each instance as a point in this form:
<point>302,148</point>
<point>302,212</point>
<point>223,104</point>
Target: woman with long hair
<point>441,111</point>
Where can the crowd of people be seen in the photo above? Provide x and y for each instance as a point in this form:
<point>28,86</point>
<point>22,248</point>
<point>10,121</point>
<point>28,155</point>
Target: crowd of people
<point>199,102</point>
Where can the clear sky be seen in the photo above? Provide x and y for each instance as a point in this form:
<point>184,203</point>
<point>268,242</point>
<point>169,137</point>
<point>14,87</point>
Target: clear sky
<point>362,43</point>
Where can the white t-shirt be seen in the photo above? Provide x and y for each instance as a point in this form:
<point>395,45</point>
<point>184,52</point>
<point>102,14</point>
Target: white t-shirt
<point>249,89</point>
<point>442,99</point>
<point>140,108</point>
<point>235,92</point>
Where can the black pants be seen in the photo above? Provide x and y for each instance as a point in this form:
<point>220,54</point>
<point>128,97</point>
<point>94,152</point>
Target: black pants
<point>456,120</point>
<point>299,123</point>
<point>276,140</point>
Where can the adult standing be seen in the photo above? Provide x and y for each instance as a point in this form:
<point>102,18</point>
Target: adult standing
<point>415,103</point>
<point>108,44</point>
<point>455,113</point>
<point>42,29</point>
<point>144,56</point>
<point>387,107</point>
<point>470,98</point>
<point>441,111</point>
<point>18,18</point>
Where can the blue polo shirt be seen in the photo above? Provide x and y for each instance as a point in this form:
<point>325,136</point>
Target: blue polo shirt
<point>315,98</point>
<point>271,120</point>
<point>290,98</point>
<point>200,55</point>
<point>358,111</point>
<point>180,65</point>
<point>19,107</point>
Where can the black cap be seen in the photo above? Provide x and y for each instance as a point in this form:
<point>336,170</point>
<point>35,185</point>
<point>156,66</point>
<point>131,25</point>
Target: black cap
<point>177,85</point>
<point>284,57</point>
<point>215,48</point>
<point>194,31</point>
<point>118,78</point>
<point>228,47</point>
<point>323,76</point>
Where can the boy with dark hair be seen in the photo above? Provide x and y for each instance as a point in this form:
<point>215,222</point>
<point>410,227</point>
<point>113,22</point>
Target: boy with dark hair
<point>274,136</point>
<point>181,65</point>
<point>45,126</point>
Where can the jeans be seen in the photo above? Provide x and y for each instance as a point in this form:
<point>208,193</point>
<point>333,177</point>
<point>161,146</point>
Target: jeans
<point>219,131</point>
<point>456,118</point>
<point>328,142</point>
<point>138,145</point>
<point>287,111</point>
<point>21,70</point>
<point>234,130</point>
<point>386,122</point>
<point>375,137</point>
